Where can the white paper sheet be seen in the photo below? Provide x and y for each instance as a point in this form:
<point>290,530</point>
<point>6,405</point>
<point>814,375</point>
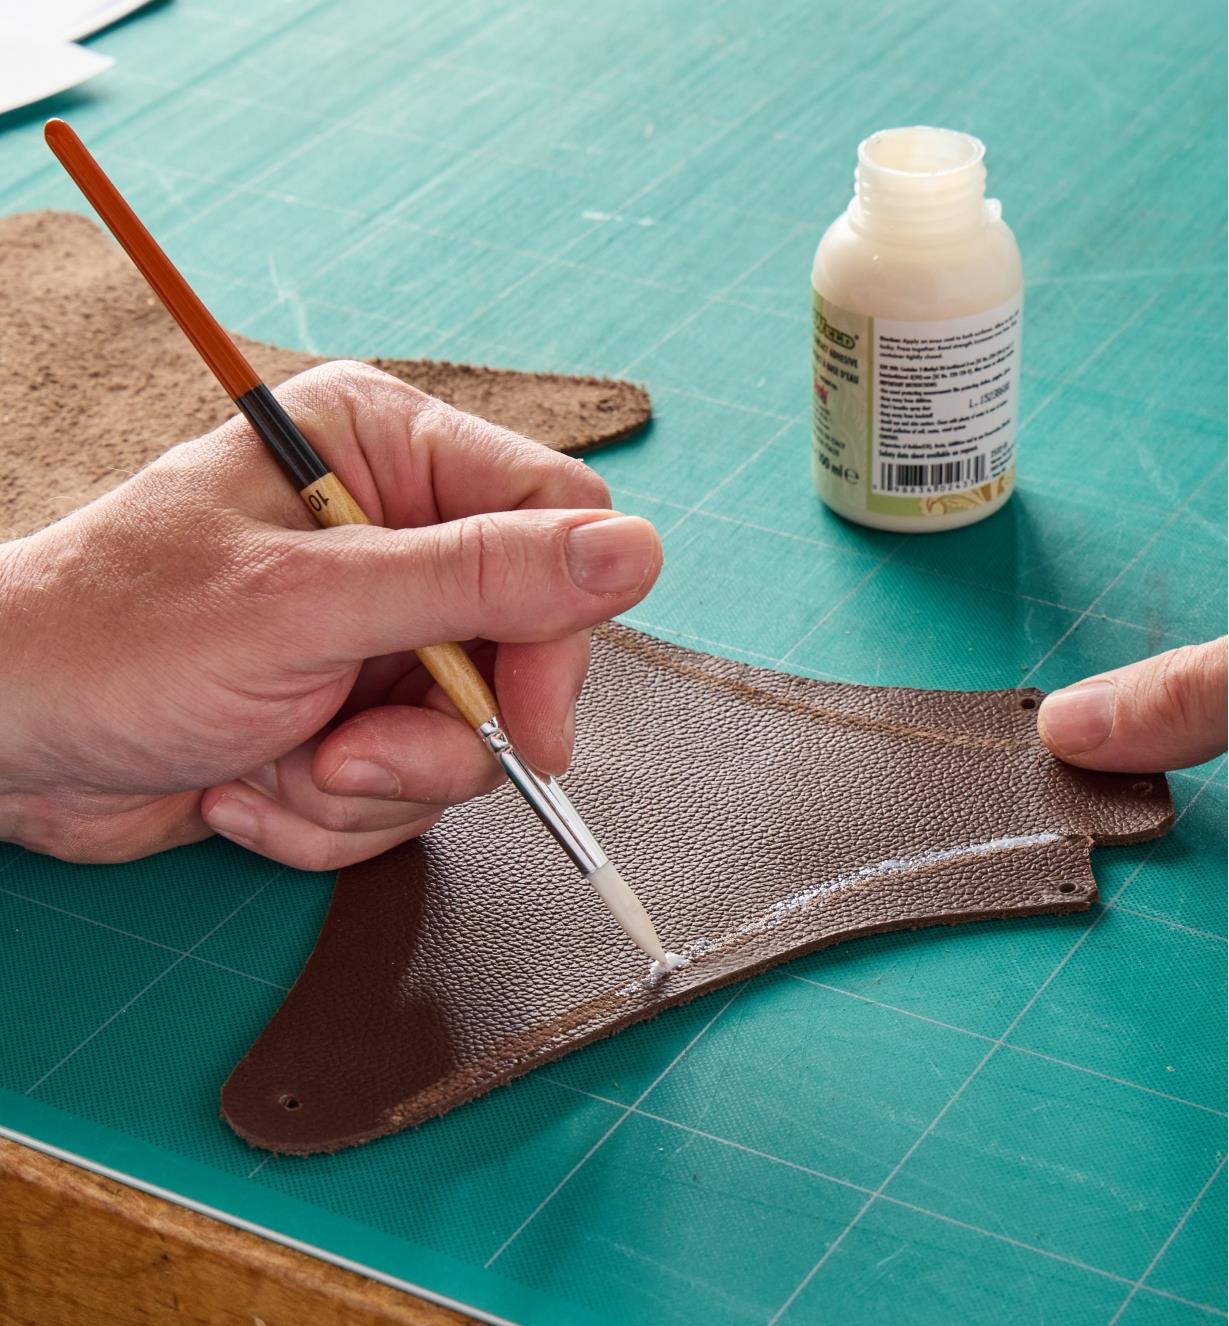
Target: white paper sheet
<point>33,67</point>
<point>69,20</point>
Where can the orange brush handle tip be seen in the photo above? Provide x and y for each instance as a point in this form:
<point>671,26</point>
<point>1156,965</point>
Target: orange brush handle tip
<point>199,325</point>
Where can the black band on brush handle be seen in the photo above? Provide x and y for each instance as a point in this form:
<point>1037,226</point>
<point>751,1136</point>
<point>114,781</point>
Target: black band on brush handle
<point>279,432</point>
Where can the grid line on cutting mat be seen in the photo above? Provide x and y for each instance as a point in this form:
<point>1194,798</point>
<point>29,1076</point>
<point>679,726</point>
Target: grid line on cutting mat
<point>996,1043</point>
<point>188,953</point>
<point>571,1174</point>
<point>1141,1283</point>
<point>144,939</point>
<point>995,1046</point>
<point>1173,519</point>
<point>941,1216</point>
<point>344,250</point>
<point>731,469</point>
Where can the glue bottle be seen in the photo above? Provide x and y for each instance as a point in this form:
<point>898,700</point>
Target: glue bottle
<point>916,292</point>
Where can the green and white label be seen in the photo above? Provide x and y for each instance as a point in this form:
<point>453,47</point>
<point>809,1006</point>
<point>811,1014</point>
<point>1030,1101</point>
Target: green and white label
<point>915,418</point>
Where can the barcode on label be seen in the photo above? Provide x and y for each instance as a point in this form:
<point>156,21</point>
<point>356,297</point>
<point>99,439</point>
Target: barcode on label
<point>938,477</point>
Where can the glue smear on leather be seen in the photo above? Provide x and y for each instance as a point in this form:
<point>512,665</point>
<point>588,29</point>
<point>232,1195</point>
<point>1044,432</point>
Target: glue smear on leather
<point>807,898</point>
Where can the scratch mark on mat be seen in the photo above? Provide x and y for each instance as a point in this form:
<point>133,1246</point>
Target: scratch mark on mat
<point>288,294</point>
<point>617,216</point>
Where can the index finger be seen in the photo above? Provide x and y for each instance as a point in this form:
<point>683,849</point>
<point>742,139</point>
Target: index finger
<point>411,460</point>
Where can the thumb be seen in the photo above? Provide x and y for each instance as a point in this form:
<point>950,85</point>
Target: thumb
<point>507,576</point>
<point>1163,713</point>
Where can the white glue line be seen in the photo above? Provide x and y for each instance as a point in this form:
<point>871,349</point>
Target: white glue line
<point>806,898</point>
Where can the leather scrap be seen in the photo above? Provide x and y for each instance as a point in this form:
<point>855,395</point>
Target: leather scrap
<point>759,815</point>
<point>98,380</point>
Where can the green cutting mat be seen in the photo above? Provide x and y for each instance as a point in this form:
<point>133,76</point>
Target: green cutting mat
<point>1018,1122</point>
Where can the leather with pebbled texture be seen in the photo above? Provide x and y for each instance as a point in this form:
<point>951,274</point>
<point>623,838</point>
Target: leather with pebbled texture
<point>758,815</point>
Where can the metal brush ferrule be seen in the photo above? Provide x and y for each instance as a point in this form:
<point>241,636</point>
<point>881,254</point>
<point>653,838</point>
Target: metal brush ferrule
<point>547,800</point>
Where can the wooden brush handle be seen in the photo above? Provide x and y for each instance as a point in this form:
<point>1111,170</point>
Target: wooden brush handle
<point>460,681</point>
<point>330,502</point>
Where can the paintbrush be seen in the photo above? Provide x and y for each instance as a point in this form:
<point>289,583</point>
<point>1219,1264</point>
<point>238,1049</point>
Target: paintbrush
<point>331,504</point>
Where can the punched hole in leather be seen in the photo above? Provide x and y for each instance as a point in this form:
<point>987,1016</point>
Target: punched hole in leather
<point>759,815</point>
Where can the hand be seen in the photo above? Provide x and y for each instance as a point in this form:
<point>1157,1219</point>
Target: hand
<point>1164,713</point>
<point>189,654</point>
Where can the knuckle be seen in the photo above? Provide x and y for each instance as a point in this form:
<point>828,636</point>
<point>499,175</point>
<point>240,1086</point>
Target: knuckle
<point>337,393</point>
<point>79,840</point>
<point>342,377</point>
<point>589,486</point>
<point>487,564</point>
<point>368,385</point>
<point>562,480</point>
<point>439,419</point>
<point>432,426</point>
<point>1173,694</point>
<point>339,386</point>
<point>317,851</point>
<point>1211,663</point>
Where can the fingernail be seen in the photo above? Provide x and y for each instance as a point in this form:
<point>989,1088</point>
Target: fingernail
<point>362,778</point>
<point>233,819</point>
<point>1079,718</point>
<point>611,556</point>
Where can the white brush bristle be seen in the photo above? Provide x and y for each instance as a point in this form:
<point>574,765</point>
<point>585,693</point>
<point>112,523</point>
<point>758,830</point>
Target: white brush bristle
<point>606,877</point>
<point>672,960</point>
<point>629,912</point>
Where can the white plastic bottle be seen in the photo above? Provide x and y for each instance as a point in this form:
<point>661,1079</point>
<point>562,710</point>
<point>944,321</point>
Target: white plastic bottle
<point>917,291</point>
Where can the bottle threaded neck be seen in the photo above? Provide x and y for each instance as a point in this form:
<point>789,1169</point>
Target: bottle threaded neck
<point>919,184</point>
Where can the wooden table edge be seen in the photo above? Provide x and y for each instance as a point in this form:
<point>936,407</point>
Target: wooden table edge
<point>77,1247</point>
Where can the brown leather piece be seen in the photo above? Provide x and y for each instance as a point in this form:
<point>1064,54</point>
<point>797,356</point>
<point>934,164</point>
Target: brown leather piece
<point>98,380</point>
<point>759,816</point>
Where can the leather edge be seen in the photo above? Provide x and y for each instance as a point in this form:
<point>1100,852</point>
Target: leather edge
<point>597,1028</point>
